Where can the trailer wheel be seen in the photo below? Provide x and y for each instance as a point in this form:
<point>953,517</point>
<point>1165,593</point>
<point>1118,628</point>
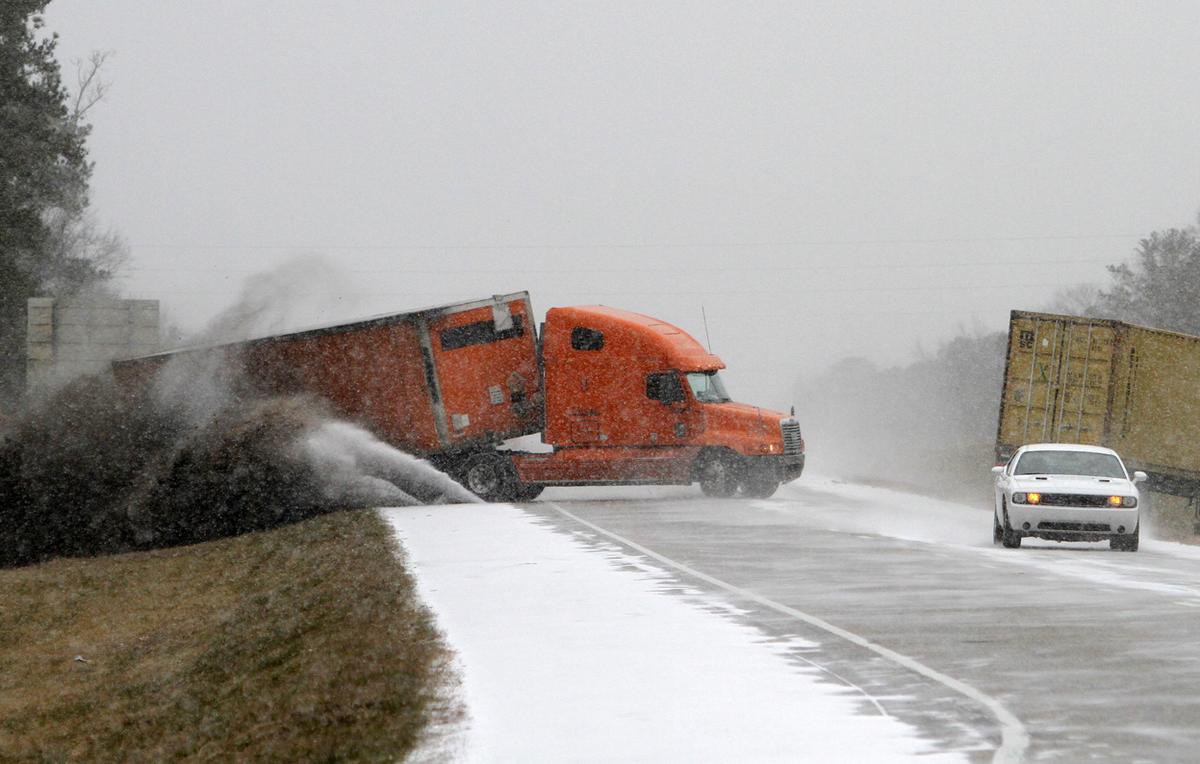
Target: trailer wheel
<point>490,476</point>
<point>718,474</point>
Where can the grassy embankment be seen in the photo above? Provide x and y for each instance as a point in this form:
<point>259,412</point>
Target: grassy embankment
<point>301,643</point>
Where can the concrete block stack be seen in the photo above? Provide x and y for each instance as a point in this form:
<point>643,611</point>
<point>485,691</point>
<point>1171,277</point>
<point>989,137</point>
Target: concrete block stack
<point>67,338</point>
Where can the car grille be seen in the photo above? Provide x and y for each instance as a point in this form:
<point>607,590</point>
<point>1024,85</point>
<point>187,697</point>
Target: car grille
<point>1073,500</point>
<point>1087,527</point>
<point>793,443</point>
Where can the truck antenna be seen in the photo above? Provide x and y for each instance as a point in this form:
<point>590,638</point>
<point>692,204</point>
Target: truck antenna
<point>707,339</point>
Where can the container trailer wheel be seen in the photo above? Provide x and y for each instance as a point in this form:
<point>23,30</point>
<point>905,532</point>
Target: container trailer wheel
<point>490,476</point>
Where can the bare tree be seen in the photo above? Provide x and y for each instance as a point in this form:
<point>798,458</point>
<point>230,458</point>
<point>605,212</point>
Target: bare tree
<point>82,255</point>
<point>90,88</point>
<point>1077,300</point>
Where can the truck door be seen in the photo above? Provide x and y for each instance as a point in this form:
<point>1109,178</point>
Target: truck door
<point>1056,389</point>
<point>485,363</point>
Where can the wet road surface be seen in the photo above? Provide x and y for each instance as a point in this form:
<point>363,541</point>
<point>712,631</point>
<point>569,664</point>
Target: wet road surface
<point>1093,654</point>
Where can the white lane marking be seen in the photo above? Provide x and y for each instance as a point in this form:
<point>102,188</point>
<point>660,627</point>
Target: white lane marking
<point>1014,739</point>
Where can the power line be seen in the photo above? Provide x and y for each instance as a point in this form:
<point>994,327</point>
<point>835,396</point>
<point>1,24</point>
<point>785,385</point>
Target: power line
<point>623,271</point>
<point>641,245</point>
<point>716,292</point>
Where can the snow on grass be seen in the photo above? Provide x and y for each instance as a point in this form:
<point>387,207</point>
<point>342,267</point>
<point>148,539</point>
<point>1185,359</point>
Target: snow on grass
<point>573,652</point>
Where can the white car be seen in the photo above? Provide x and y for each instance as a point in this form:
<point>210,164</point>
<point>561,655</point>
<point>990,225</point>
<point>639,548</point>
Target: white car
<point>1066,492</point>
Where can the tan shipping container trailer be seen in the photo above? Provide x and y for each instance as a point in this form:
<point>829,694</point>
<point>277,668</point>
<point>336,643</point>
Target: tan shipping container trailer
<point>1083,380</point>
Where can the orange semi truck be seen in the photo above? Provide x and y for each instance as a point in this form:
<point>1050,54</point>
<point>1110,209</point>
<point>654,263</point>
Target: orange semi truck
<point>620,398</point>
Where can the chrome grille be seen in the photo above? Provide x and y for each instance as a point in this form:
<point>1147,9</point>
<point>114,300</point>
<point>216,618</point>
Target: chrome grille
<point>793,443</point>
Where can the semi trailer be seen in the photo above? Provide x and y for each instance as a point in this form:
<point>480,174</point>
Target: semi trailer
<point>619,398</point>
<point>1094,381</point>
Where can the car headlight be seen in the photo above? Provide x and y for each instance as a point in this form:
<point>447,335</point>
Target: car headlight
<point>1123,501</point>
<point>1018,498</point>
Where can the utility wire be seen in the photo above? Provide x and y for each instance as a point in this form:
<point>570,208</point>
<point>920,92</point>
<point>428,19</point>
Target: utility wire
<point>641,245</point>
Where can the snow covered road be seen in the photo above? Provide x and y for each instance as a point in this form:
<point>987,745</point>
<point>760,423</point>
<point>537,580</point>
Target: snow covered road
<point>639,624</point>
<point>570,652</point>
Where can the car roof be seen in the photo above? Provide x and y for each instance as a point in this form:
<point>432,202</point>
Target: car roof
<point>1067,447</point>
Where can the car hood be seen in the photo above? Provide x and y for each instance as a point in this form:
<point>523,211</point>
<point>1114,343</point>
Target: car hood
<point>1073,484</point>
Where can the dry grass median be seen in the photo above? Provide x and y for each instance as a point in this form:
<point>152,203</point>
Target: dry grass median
<point>300,643</point>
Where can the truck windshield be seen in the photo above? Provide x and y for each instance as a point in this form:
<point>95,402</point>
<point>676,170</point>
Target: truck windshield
<point>707,387</point>
<point>1070,463</point>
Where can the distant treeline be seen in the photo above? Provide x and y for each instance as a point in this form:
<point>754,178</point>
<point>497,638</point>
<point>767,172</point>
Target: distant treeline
<point>932,423</point>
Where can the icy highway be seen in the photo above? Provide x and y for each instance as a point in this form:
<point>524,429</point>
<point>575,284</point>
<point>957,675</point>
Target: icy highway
<point>1051,651</point>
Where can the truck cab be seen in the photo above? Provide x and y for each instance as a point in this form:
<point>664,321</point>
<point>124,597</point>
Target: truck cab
<point>630,399</point>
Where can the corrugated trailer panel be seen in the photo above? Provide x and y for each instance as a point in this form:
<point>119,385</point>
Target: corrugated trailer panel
<point>1156,402</point>
<point>1057,380</point>
<point>1080,380</point>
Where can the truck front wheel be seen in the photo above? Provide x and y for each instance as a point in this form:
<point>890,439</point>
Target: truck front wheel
<point>718,475</point>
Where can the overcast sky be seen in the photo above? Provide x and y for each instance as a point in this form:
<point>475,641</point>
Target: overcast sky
<point>822,179</point>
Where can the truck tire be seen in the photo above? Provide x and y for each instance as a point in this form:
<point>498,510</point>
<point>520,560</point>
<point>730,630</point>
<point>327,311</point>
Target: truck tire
<point>718,474</point>
<point>758,484</point>
<point>490,476</point>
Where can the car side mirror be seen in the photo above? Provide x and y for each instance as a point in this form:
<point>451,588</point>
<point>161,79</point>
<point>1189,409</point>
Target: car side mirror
<point>998,470</point>
<point>1140,477</point>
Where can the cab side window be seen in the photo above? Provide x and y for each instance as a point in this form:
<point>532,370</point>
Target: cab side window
<point>664,387</point>
<point>583,338</point>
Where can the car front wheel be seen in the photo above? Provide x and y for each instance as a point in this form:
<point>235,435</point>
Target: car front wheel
<point>1009,539</point>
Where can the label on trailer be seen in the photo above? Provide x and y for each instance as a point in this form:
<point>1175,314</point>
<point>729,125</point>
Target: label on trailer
<point>495,395</point>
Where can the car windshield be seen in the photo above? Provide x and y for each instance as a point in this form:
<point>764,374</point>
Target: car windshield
<point>707,387</point>
<point>1070,463</point>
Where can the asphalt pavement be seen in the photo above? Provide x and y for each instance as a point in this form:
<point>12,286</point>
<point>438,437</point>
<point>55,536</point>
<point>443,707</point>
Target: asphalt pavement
<point>1065,652</point>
